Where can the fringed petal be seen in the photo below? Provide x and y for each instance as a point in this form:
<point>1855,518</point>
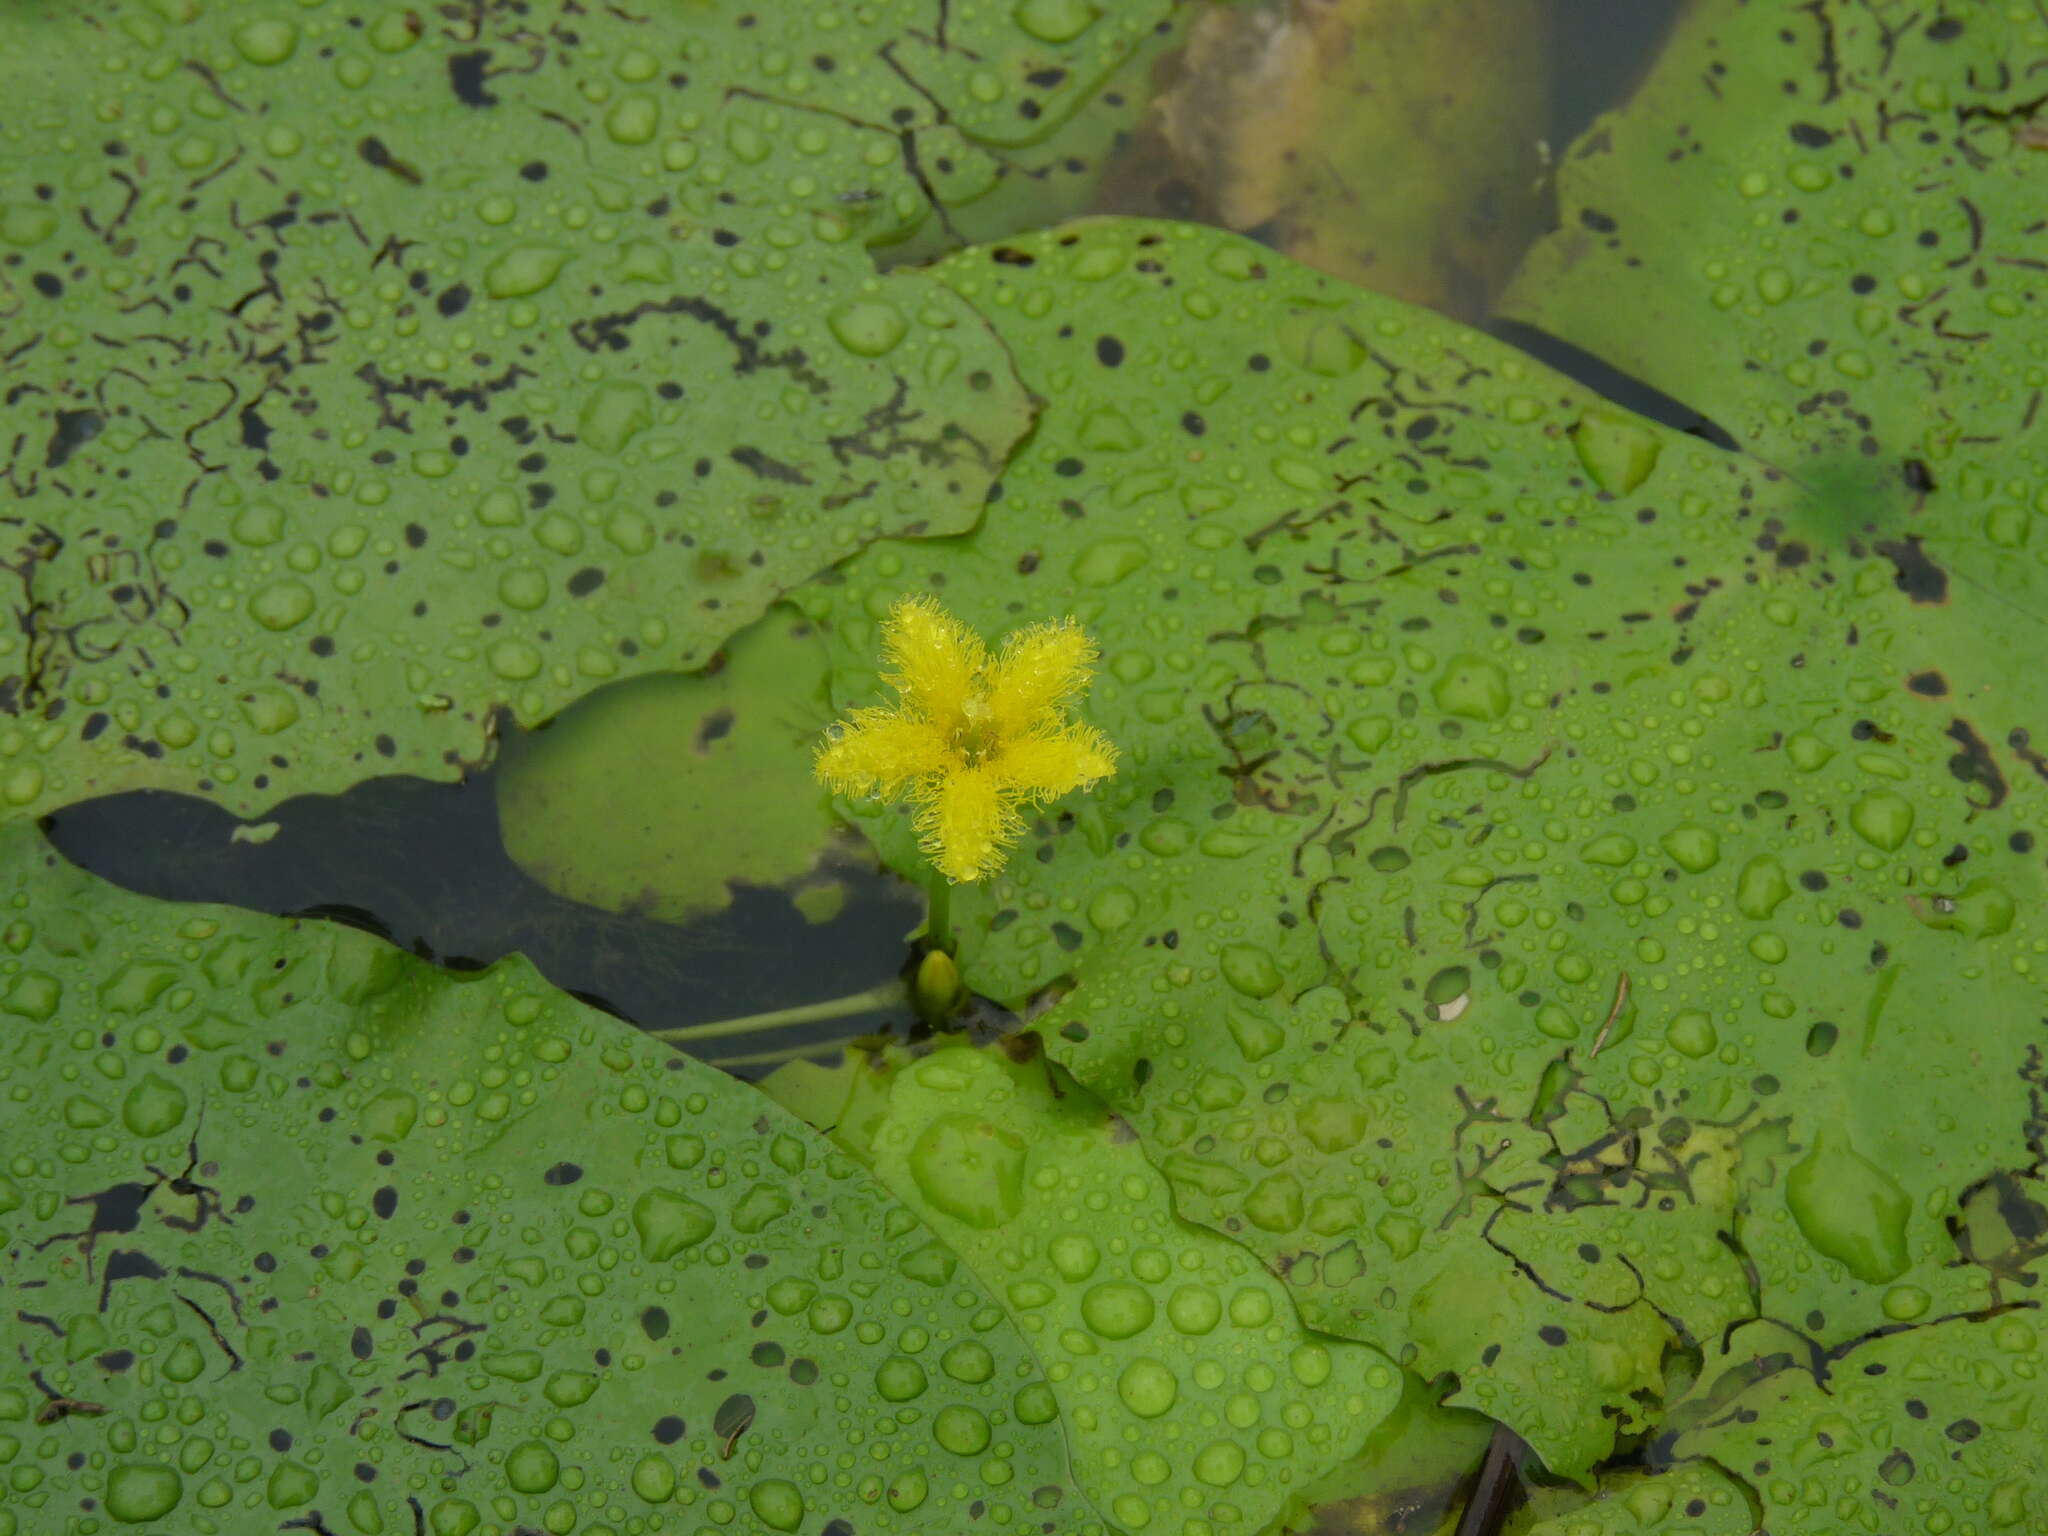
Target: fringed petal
<point>968,822</point>
<point>1048,764</point>
<point>879,751</point>
<point>937,659</point>
<point>1040,670</point>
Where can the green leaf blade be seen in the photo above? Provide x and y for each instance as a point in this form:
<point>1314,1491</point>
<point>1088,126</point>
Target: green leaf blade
<point>497,1252</point>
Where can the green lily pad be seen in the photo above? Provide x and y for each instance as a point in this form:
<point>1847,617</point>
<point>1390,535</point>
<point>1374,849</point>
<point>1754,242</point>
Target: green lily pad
<point>1188,1386</point>
<point>1819,226</point>
<point>381,369</point>
<point>1540,912</point>
<point>1201,453</point>
<point>1569,911</point>
<point>655,795</point>
<point>306,1233</point>
<point>1941,1420</point>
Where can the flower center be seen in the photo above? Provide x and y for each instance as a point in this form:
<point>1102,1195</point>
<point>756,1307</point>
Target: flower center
<point>976,738</point>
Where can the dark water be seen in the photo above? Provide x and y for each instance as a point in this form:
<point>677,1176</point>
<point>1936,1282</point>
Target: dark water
<point>422,863</point>
<point>1599,49</point>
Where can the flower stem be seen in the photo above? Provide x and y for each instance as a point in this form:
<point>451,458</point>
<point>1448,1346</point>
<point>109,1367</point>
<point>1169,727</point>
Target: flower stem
<point>938,925</point>
<point>784,1053</point>
<point>888,994</point>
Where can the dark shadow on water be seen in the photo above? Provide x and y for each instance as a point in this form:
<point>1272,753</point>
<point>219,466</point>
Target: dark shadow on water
<point>1623,389</point>
<point>421,864</point>
<point>1599,52</point>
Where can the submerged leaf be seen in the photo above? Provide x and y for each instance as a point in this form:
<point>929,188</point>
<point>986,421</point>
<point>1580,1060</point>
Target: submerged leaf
<point>658,795</point>
<point>1392,143</point>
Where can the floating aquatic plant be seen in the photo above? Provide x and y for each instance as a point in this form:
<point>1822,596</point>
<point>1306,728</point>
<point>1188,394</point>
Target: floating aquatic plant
<point>1567,911</point>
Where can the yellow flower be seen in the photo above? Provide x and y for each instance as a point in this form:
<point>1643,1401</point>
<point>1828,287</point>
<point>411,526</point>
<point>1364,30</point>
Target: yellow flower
<point>973,737</point>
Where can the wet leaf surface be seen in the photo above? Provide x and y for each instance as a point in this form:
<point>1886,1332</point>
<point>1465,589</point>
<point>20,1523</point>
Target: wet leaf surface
<point>1819,225</point>
<point>1188,1386</point>
<point>1356,1099</point>
<point>1569,907</point>
<point>307,1231</point>
<point>1940,1422</point>
<point>1698,1498</point>
<point>372,370</point>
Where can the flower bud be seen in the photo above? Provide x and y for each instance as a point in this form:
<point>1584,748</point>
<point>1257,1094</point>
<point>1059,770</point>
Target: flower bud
<point>937,990</point>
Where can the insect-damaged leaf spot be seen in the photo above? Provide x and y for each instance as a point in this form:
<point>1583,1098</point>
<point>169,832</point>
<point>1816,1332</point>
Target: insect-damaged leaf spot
<point>1917,574</point>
